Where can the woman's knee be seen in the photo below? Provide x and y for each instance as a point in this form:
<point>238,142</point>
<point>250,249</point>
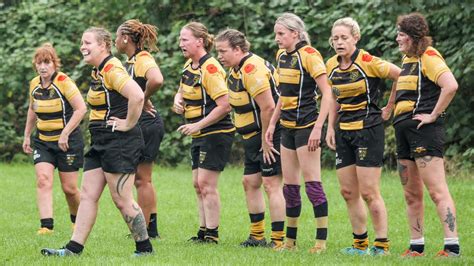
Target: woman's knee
<point>44,181</point>
<point>349,195</point>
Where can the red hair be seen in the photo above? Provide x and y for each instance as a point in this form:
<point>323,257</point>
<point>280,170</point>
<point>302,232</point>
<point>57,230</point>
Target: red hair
<point>46,53</point>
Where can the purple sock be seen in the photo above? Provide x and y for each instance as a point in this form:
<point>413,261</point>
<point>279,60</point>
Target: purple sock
<point>292,195</point>
<point>315,193</point>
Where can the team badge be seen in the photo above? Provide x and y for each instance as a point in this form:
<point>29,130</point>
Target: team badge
<point>336,91</point>
<point>202,156</point>
<point>354,76</point>
<point>196,80</point>
<point>51,93</point>
<point>70,158</point>
<point>36,154</point>
<point>413,69</point>
<point>419,149</point>
<point>294,61</point>
<point>362,153</point>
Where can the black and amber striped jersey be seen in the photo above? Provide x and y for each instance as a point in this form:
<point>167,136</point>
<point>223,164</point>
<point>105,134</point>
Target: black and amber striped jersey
<point>417,88</point>
<point>51,105</point>
<point>104,96</point>
<point>137,66</point>
<point>251,77</point>
<point>297,71</point>
<point>358,89</point>
<point>200,87</point>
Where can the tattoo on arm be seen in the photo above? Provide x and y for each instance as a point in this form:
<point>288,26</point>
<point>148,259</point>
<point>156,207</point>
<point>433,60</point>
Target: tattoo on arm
<point>450,220</point>
<point>403,172</point>
<point>121,182</point>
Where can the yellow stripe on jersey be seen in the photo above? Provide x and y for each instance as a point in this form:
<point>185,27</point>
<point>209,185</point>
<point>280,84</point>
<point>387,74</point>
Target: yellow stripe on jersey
<point>353,107</point>
<point>96,98</point>
<point>352,125</point>
<point>289,103</point>
<point>407,83</point>
<point>288,124</point>
<point>403,107</point>
<point>48,106</point>
<point>192,111</point>
<point>97,115</point>
<point>191,93</point>
<point>48,138</point>
<point>244,119</point>
<point>289,76</point>
<point>351,89</point>
<point>239,98</point>
<point>50,125</point>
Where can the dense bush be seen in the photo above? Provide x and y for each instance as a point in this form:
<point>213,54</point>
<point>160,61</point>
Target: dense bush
<point>25,25</point>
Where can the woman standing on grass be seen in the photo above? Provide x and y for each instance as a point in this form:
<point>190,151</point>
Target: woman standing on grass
<point>301,72</point>
<point>425,88</point>
<point>253,94</point>
<point>116,141</point>
<point>356,78</point>
<point>132,37</point>
<point>56,108</point>
<point>203,99</point>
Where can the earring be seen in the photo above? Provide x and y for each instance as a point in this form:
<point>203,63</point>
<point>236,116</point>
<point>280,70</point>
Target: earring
<point>124,41</point>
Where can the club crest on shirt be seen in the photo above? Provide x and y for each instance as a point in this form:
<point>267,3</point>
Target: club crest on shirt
<point>413,69</point>
<point>336,91</point>
<point>294,61</point>
<point>52,93</point>
<point>354,76</point>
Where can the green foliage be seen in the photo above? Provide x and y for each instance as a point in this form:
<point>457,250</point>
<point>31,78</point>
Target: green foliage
<point>24,26</point>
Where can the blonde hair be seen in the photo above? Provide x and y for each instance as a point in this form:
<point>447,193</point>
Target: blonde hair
<point>102,36</point>
<point>294,23</point>
<point>200,31</point>
<point>46,53</point>
<point>141,34</point>
<point>349,23</point>
<point>235,39</point>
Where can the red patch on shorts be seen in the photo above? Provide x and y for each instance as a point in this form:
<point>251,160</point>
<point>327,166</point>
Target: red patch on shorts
<point>62,78</point>
<point>366,57</point>
<point>248,68</point>
<point>108,67</point>
<point>310,50</point>
<point>211,68</point>
<point>431,52</point>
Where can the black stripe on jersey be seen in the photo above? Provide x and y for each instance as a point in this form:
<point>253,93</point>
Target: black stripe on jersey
<point>50,133</point>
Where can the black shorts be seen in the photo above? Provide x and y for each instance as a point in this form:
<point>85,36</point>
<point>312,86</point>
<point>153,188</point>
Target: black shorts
<point>414,143</point>
<point>153,132</point>
<point>254,156</point>
<point>211,152</point>
<point>363,147</point>
<point>49,152</point>
<point>293,138</point>
<point>114,152</point>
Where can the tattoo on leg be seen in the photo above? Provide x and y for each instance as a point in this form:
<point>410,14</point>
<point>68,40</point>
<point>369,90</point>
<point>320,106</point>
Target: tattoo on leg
<point>418,226</point>
<point>138,228</point>
<point>121,182</point>
<point>450,220</point>
<point>403,172</point>
<point>128,219</point>
<point>423,161</point>
<point>136,207</point>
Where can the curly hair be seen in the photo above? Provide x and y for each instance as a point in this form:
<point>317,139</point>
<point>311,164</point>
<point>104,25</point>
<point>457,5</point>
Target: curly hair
<point>46,53</point>
<point>415,26</point>
<point>141,34</point>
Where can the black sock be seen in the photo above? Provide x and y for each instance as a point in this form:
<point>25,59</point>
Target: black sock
<point>417,248</point>
<point>144,246</point>
<point>152,226</point>
<point>48,223</point>
<point>214,232</point>
<point>453,248</point>
<point>291,232</point>
<point>74,247</point>
<point>201,233</point>
<point>278,226</point>
<point>362,236</point>
<point>73,218</point>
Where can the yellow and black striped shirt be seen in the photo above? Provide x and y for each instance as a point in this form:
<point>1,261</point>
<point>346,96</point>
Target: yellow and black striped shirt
<point>251,77</point>
<point>358,89</point>
<point>51,105</point>
<point>137,67</point>
<point>417,88</point>
<point>104,96</point>
<point>298,89</point>
<point>200,88</point>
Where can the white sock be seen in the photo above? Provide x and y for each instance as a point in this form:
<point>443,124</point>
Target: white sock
<point>419,241</point>
<point>451,241</point>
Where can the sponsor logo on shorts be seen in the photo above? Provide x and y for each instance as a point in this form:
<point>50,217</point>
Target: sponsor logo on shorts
<point>420,149</point>
<point>338,160</point>
<point>36,155</point>
<point>70,158</point>
<point>362,153</point>
<point>267,170</point>
<point>202,156</point>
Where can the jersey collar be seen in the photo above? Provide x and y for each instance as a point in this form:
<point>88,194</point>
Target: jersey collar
<point>101,66</point>
<point>298,46</point>
<point>242,61</point>
<point>353,57</point>
<point>52,80</point>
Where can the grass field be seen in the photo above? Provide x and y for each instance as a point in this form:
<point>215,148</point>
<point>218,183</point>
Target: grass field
<point>177,218</point>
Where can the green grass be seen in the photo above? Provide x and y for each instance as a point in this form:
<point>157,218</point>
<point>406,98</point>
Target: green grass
<point>177,218</point>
